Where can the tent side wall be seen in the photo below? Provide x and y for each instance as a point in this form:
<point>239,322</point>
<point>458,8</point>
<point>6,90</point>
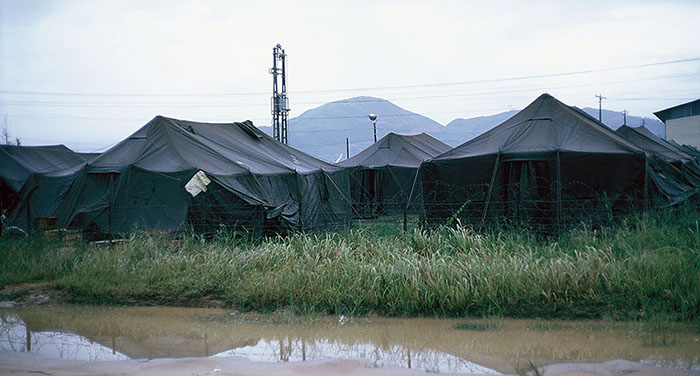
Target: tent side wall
<point>456,187</point>
<point>104,203</point>
<point>324,199</point>
<point>41,196</point>
<point>113,202</point>
<point>385,190</point>
<point>545,189</point>
<point>145,200</point>
<point>594,186</point>
<point>217,207</point>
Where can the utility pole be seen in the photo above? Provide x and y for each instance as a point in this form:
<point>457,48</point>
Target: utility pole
<point>600,107</point>
<point>624,117</point>
<point>347,148</point>
<point>279,102</point>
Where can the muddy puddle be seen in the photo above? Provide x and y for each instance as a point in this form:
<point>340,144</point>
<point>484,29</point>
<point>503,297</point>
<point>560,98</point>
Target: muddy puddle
<point>488,346</point>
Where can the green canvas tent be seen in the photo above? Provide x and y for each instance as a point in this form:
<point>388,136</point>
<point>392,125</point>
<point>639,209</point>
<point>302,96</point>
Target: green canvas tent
<point>682,160</point>
<point>18,163</point>
<point>549,164</point>
<point>384,175</point>
<point>173,175</point>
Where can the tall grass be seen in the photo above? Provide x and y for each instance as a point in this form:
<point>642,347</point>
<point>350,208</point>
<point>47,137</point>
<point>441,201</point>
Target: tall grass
<point>643,267</point>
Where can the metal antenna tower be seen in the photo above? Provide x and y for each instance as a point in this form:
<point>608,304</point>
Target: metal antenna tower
<point>279,103</point>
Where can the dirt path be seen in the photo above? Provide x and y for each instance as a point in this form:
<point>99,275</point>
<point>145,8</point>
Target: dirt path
<point>29,294</point>
<point>41,293</point>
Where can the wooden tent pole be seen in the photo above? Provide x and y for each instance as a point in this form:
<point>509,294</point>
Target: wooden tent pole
<point>488,195</point>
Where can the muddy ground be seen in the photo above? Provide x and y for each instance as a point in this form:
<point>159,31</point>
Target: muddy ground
<point>13,363</point>
<point>41,293</point>
<point>30,294</point>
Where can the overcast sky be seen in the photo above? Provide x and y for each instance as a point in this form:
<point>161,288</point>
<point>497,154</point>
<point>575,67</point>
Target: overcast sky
<point>89,73</point>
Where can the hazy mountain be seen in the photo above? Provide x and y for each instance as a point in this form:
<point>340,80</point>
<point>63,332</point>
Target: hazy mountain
<point>459,131</point>
<point>615,119</point>
<point>321,131</point>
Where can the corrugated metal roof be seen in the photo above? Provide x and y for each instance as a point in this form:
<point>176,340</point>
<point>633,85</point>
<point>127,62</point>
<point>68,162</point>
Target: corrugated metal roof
<point>680,111</point>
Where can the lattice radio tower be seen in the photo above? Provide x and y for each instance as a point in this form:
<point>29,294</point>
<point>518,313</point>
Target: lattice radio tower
<point>279,102</point>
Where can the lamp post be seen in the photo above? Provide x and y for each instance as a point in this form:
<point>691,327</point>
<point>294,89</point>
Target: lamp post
<point>373,119</point>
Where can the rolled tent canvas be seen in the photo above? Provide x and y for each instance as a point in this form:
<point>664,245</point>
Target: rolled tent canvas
<point>549,164</point>
<point>175,175</point>
<point>383,177</point>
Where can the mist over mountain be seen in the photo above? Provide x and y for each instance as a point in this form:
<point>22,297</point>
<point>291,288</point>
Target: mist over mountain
<point>321,131</point>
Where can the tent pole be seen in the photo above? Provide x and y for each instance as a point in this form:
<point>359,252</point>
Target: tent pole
<point>410,195</point>
<point>299,199</point>
<point>341,192</point>
<point>558,191</point>
<point>408,201</point>
<point>488,195</point>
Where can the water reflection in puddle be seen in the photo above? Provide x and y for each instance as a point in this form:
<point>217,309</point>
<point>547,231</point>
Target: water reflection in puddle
<point>16,336</point>
<point>395,356</point>
<point>434,345</point>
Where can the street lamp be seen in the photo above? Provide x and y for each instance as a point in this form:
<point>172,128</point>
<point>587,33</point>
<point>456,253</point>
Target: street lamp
<point>373,119</point>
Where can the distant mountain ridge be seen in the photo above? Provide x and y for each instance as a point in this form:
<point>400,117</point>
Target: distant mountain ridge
<point>615,119</point>
<point>459,131</point>
<point>321,131</point>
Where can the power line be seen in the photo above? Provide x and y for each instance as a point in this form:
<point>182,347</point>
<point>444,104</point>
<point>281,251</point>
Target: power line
<point>258,120</point>
<point>98,104</point>
<point>145,119</point>
<point>572,73</point>
<point>516,78</point>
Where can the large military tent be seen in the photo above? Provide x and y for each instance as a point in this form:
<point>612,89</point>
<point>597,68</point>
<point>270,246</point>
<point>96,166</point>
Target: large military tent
<point>383,176</point>
<point>549,164</point>
<point>685,162</point>
<point>692,150</point>
<point>18,163</point>
<point>689,150</point>
<point>173,175</point>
